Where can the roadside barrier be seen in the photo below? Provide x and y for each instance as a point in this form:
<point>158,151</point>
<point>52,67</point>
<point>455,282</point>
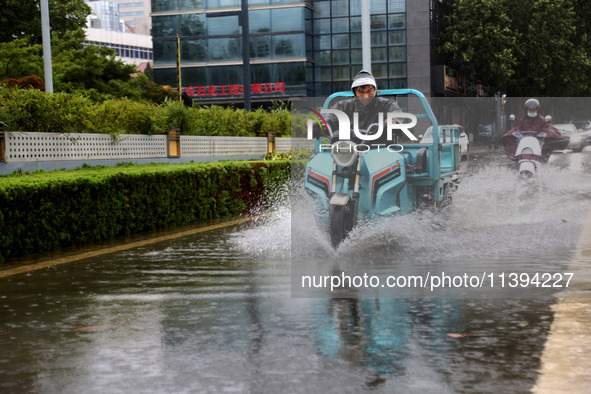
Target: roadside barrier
<point>35,147</point>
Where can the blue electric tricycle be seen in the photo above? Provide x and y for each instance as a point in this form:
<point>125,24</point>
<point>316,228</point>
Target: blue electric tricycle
<point>352,185</point>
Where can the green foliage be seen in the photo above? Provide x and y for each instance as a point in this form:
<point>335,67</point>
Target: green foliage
<point>93,70</point>
<point>28,110</point>
<point>479,38</point>
<point>150,90</point>
<point>295,154</point>
<point>48,210</point>
<point>127,117</point>
<point>526,48</point>
<point>35,111</point>
<point>22,18</point>
<point>18,60</point>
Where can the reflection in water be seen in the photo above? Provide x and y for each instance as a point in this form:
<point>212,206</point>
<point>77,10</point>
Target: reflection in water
<point>198,315</point>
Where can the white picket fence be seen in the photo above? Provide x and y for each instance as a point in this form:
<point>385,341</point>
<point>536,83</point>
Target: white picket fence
<point>37,147</point>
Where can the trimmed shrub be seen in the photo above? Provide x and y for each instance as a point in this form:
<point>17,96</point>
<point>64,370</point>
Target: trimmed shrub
<point>45,211</point>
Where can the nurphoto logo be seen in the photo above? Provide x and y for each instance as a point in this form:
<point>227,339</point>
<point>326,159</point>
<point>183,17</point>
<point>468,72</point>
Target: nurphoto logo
<point>393,123</point>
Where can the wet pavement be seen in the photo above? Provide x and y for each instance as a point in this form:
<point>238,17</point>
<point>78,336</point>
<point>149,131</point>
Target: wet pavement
<point>213,312</point>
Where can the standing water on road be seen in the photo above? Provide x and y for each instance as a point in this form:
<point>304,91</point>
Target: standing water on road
<point>214,312</point>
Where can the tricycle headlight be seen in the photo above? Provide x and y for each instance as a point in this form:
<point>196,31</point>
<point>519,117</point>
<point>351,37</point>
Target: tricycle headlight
<point>344,153</point>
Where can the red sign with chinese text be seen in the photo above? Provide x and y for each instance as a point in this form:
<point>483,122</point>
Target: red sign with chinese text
<point>234,90</point>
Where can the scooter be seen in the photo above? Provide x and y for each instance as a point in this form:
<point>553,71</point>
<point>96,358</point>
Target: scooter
<point>357,182</point>
<point>529,152</point>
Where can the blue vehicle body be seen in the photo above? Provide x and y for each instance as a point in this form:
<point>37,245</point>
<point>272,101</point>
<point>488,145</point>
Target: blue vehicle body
<point>382,182</point>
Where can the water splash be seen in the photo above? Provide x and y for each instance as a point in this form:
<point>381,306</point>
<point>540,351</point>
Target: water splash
<point>493,213</point>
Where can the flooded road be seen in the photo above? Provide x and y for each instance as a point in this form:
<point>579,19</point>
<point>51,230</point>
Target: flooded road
<point>215,312</point>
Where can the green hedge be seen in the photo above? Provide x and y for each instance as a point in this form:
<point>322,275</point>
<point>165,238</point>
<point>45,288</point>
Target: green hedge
<point>49,210</point>
<point>31,110</point>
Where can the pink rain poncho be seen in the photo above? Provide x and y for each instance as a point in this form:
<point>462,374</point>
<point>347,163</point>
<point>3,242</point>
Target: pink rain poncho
<point>553,140</point>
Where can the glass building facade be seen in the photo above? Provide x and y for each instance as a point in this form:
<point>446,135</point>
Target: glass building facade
<point>296,48</point>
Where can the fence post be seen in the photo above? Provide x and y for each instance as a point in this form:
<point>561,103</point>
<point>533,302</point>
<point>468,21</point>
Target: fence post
<point>2,144</point>
<point>174,143</point>
<point>270,142</point>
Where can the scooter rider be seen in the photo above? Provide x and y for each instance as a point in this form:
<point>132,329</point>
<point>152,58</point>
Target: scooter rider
<point>366,104</point>
<point>532,121</point>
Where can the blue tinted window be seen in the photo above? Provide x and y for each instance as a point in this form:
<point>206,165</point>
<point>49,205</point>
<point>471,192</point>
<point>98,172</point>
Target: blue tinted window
<point>259,21</point>
<point>397,54</point>
<point>340,25</point>
<point>222,3</point>
<point>356,40</point>
<point>221,49</point>
<point>398,70</point>
<point>287,19</point>
<point>397,37</point>
<point>396,5</point>
<point>323,58</point>
<point>164,52</point>
<point>164,5</point>
<point>340,41</point>
<point>323,42</point>
<point>165,26</point>
<point>194,50</point>
<point>193,25</point>
<point>397,21</point>
<point>223,25</point>
<point>194,76</point>
<point>262,73</point>
<point>398,83</point>
<point>225,75</point>
<point>340,7</point>
<point>356,56</point>
<point>291,73</point>
<point>377,7</point>
<point>380,71</point>
<point>290,45</point>
<point>322,9</point>
<point>355,7</point>
<point>356,23</point>
<point>165,76</point>
<point>379,55</point>
<point>378,22</point>
<point>341,73</point>
<point>322,26</point>
<point>378,38</point>
<point>341,57</point>
<point>191,4</point>
<point>260,47</point>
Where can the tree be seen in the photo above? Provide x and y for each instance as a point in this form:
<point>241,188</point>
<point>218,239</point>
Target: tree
<point>521,47</point>
<point>17,59</point>
<point>22,18</point>
<point>92,70</point>
<point>478,40</point>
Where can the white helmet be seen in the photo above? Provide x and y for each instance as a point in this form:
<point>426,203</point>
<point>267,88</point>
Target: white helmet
<point>363,78</point>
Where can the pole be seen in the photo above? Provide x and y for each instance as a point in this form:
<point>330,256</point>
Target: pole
<point>498,126</point>
<point>178,66</point>
<point>365,35</point>
<point>245,54</point>
<point>46,46</point>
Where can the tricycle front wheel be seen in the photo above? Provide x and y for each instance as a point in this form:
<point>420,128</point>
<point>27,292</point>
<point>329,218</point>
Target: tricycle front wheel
<point>341,223</point>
